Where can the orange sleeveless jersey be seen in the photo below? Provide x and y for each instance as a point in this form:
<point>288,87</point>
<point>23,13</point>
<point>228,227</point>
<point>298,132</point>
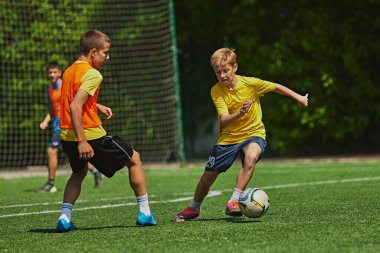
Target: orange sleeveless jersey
<point>71,82</point>
<point>55,97</point>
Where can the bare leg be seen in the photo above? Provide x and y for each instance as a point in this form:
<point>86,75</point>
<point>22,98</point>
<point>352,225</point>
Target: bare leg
<point>74,185</point>
<point>52,162</point>
<point>97,175</point>
<point>136,175</point>
<point>204,184</point>
<point>252,154</point>
<point>90,166</point>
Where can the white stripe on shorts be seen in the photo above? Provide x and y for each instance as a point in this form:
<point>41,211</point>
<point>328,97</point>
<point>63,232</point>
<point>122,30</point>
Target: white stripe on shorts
<point>119,146</point>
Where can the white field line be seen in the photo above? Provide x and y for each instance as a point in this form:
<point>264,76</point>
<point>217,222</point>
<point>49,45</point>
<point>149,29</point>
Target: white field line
<point>211,194</point>
<point>60,202</point>
<point>338,181</point>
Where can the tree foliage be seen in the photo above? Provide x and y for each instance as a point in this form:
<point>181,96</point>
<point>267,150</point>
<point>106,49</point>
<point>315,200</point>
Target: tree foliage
<point>328,49</point>
<point>138,80</point>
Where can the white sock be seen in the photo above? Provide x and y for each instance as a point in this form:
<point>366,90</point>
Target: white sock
<point>143,203</point>
<point>196,205</point>
<point>64,216</point>
<point>66,211</point>
<point>94,171</point>
<point>236,194</point>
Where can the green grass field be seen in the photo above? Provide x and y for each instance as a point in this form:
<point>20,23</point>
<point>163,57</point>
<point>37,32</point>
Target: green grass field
<point>315,207</point>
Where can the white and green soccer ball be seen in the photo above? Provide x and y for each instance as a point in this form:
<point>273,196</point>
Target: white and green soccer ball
<point>254,202</point>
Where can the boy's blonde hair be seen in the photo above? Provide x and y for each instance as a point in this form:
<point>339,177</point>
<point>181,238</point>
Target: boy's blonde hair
<point>222,57</point>
<point>93,39</point>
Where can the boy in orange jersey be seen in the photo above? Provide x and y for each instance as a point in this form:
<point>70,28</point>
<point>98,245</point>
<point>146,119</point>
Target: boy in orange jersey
<point>83,137</point>
<point>241,130</point>
<point>54,101</point>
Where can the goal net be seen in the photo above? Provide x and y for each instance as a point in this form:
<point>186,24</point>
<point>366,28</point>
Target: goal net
<point>140,79</point>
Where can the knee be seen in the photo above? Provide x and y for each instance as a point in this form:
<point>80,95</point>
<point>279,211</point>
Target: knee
<point>250,161</point>
<point>51,151</point>
<point>135,160</point>
<point>207,180</point>
<point>80,175</point>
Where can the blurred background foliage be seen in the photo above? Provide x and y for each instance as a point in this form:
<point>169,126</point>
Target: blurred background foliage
<point>138,79</point>
<point>328,49</point>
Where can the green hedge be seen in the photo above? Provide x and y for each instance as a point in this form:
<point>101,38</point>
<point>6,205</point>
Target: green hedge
<point>329,49</point>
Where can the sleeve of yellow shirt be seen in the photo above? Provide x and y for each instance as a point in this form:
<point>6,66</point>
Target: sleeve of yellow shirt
<point>91,81</point>
<point>263,86</point>
<point>218,100</point>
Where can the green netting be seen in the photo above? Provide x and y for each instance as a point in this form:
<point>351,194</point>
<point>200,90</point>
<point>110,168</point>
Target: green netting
<point>139,80</point>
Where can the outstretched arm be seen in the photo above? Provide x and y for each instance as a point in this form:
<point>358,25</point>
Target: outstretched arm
<point>282,90</point>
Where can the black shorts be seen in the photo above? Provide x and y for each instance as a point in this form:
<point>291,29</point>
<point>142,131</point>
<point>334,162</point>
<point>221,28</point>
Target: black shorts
<point>111,154</point>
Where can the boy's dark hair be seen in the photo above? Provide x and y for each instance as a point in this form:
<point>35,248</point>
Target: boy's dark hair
<point>52,65</point>
<point>92,39</point>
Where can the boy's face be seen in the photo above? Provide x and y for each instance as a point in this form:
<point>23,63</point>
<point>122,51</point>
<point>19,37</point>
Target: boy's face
<point>54,74</point>
<point>99,57</point>
<point>226,73</point>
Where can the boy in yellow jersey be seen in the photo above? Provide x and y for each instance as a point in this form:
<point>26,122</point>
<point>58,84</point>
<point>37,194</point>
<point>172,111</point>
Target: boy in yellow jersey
<point>54,73</point>
<point>241,130</point>
<point>83,137</point>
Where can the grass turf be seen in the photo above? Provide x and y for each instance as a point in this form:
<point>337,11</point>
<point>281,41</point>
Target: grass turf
<point>315,207</point>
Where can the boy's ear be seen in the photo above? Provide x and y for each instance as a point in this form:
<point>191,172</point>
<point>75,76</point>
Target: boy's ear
<point>235,67</point>
<point>92,52</point>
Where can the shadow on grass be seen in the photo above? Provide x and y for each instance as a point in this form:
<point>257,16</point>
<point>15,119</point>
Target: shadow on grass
<point>33,190</point>
<point>229,219</point>
<point>54,231</point>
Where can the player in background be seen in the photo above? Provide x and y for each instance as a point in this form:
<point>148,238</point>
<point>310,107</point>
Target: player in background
<point>241,130</point>
<point>54,73</point>
<point>83,136</point>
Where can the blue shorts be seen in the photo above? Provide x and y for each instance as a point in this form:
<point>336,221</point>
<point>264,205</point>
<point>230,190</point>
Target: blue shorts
<point>223,156</point>
<point>55,141</point>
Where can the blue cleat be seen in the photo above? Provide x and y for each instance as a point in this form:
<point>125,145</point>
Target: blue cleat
<point>145,220</point>
<point>64,226</point>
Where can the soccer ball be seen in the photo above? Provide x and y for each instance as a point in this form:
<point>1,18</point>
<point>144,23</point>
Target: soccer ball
<point>254,202</point>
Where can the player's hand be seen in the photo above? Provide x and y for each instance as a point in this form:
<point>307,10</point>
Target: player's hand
<point>246,106</point>
<point>43,125</point>
<point>105,110</point>
<point>303,101</point>
<point>85,150</point>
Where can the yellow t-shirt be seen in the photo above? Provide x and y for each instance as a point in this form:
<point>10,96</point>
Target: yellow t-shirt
<point>91,80</point>
<point>230,101</point>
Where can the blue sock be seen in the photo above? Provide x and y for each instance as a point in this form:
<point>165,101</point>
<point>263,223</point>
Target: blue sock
<point>196,205</point>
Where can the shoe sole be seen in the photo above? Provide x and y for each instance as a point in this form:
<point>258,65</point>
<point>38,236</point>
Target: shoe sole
<point>182,219</point>
<point>146,225</point>
<point>179,219</point>
<point>45,191</point>
<point>62,229</point>
<point>235,213</point>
